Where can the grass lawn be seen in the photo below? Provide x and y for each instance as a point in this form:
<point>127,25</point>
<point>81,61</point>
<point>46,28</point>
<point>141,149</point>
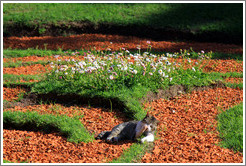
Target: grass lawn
<point>226,18</point>
<point>230,126</point>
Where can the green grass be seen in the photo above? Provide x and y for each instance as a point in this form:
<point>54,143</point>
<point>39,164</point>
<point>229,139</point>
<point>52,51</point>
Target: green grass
<point>127,87</point>
<point>133,154</point>
<point>12,78</point>
<point>195,17</point>
<point>14,53</point>
<point>234,85</point>
<point>226,75</point>
<point>69,127</point>
<point>230,126</point>
<point>20,63</point>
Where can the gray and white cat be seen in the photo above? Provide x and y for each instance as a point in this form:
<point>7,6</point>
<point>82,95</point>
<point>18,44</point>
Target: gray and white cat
<point>132,130</point>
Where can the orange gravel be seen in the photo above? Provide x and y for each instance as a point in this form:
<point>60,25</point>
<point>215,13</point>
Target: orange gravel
<point>188,132</point>
<point>114,42</point>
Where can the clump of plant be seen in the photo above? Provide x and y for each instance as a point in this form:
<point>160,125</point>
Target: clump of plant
<point>112,74</point>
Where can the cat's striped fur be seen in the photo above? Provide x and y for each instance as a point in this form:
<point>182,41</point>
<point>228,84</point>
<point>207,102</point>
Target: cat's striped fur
<point>132,130</point>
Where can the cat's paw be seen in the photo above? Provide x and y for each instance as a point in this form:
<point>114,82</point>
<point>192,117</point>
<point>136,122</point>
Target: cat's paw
<point>111,140</point>
<point>149,138</point>
<point>115,139</point>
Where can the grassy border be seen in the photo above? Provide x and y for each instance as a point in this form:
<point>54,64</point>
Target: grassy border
<point>72,128</point>
<point>132,154</point>
<point>230,127</point>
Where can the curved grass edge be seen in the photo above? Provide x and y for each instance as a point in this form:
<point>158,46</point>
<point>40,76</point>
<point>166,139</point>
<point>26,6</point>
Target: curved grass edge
<point>230,127</point>
<point>71,128</point>
<point>133,154</point>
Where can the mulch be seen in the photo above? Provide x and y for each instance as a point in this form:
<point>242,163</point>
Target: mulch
<point>27,70</point>
<point>11,94</point>
<point>187,132</point>
<point>234,80</point>
<point>39,147</point>
<point>114,42</point>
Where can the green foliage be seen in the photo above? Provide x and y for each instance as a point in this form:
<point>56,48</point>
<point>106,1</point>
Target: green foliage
<point>12,64</point>
<point>196,17</point>
<point>234,85</point>
<point>69,127</point>
<point>11,78</point>
<point>14,53</point>
<point>230,126</point>
<point>114,76</point>
<point>133,154</point>
<point>226,75</point>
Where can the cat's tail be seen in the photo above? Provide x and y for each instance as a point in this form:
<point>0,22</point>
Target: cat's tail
<point>103,135</point>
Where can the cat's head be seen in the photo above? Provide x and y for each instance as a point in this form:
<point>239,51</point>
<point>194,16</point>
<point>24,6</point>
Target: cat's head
<point>151,122</point>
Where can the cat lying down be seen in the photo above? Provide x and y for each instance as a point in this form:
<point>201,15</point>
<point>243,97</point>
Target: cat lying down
<point>132,130</point>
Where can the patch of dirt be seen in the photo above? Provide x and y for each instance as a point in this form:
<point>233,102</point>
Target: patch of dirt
<point>176,90</point>
<point>68,28</point>
<point>114,42</point>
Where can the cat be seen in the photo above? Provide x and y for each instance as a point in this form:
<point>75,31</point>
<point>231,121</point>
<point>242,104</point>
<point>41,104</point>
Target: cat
<point>132,130</point>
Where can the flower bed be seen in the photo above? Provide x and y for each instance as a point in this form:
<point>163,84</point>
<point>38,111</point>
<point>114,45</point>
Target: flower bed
<point>188,129</point>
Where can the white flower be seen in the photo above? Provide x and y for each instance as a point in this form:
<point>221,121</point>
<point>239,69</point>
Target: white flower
<point>150,73</point>
<point>171,79</point>
<point>163,58</point>
<point>160,71</point>
<point>168,63</point>
<point>153,56</point>
<point>124,68</point>
<point>81,71</point>
<point>111,77</point>
<point>57,71</point>
<point>135,71</point>
<point>147,60</point>
<point>193,69</point>
<point>202,52</point>
<point>65,73</point>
